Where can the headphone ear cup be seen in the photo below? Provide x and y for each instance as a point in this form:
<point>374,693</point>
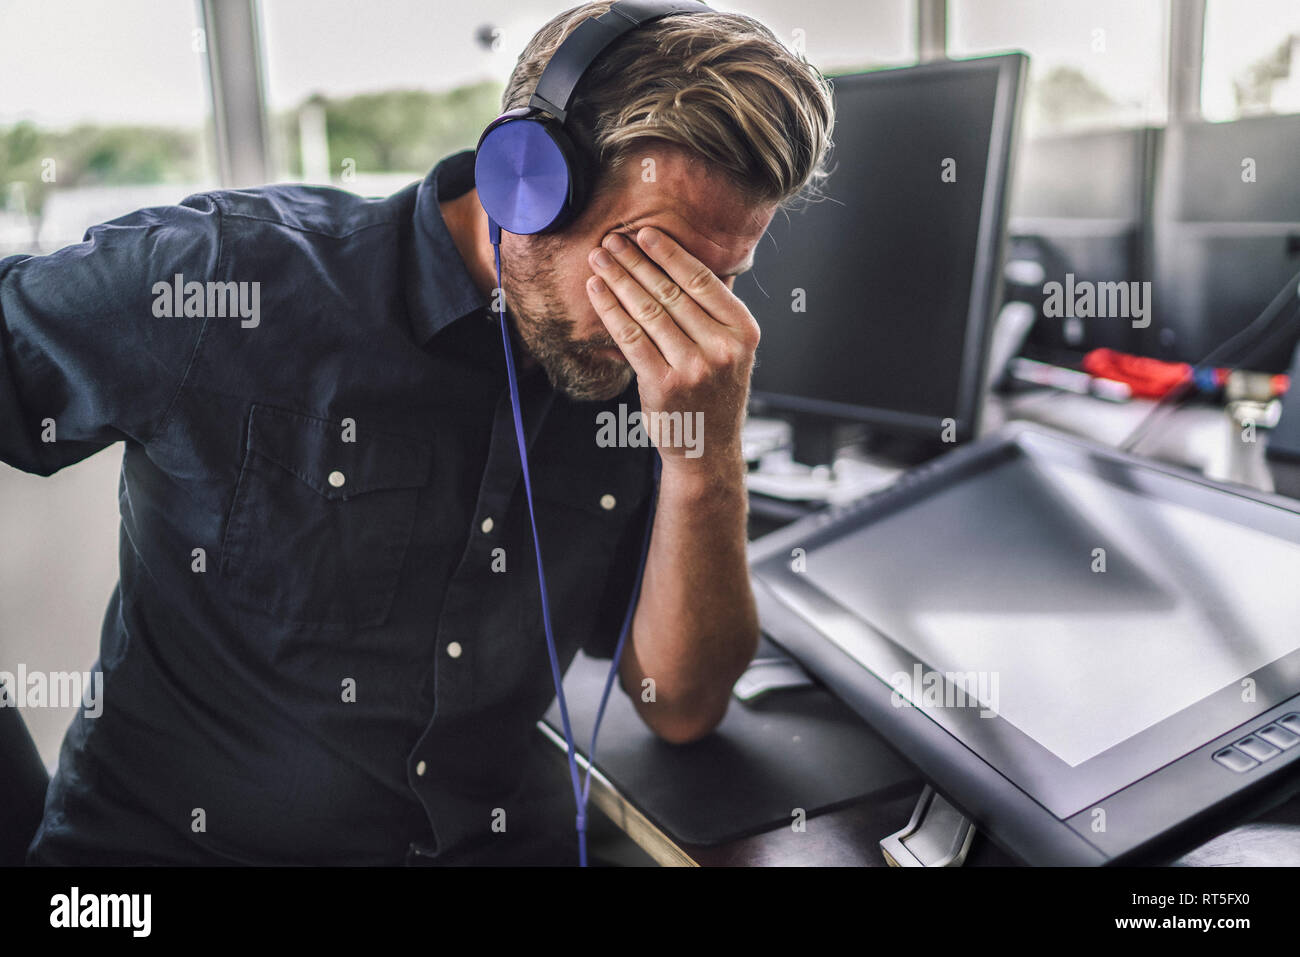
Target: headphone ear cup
<point>524,171</point>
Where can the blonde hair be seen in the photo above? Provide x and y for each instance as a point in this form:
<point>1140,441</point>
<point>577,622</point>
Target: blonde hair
<point>719,85</point>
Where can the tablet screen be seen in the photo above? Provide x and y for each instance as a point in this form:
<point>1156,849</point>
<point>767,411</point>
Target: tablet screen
<point>1092,609</point>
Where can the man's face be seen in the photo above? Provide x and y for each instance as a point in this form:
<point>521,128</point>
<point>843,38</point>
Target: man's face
<point>545,276</point>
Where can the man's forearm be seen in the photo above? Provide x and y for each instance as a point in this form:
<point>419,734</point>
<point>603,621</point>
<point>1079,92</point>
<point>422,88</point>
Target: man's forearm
<point>691,343</point>
<point>695,628</point>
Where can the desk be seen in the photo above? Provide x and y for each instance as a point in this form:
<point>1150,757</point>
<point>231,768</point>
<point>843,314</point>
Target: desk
<point>844,837</point>
<point>849,835</point>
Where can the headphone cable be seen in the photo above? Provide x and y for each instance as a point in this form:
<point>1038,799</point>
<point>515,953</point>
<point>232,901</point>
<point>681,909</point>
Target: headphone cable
<point>580,791</point>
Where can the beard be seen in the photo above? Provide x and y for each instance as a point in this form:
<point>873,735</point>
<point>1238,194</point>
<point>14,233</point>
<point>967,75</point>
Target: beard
<point>574,366</point>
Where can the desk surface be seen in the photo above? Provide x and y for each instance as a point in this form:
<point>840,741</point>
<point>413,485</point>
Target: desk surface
<point>844,837</point>
<point>850,836</point>
<point>1199,438</point>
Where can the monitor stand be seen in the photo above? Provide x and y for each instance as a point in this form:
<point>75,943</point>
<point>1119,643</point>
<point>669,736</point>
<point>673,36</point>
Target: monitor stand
<point>821,440</point>
<point>818,440</point>
<point>829,462</point>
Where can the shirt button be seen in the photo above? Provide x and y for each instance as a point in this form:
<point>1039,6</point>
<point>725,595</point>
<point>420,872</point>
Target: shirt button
<point>487,525</point>
<point>454,649</point>
<point>607,501</point>
<point>336,479</point>
<point>420,769</point>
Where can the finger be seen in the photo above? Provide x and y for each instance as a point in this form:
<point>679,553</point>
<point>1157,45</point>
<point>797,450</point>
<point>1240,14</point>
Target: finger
<point>640,351</point>
<point>644,309</point>
<point>689,315</point>
<point>697,280</point>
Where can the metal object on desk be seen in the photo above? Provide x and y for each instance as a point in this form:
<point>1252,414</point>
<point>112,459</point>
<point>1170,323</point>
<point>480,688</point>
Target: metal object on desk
<point>938,835</point>
<point>1284,442</point>
<point>765,675</point>
<point>1245,462</point>
<point>1259,844</point>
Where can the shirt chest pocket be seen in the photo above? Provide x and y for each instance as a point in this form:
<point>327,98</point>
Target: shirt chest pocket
<point>592,523</point>
<point>319,525</point>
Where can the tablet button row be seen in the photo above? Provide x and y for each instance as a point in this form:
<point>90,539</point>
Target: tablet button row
<point>1234,760</point>
<point>1268,742</point>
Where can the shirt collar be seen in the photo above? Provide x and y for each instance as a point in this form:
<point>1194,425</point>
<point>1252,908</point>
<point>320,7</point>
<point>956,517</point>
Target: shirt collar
<point>440,290</point>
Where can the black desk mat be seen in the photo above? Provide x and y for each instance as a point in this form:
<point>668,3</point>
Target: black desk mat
<point>797,748</point>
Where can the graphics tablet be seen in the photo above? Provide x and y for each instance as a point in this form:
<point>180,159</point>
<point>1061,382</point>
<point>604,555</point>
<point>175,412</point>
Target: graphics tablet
<point>1095,656</point>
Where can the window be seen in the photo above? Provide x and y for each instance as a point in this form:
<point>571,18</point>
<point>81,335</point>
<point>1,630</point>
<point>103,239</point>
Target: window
<point>104,109</point>
<point>1251,64</point>
<point>840,37</point>
<point>1093,63</point>
<point>369,96</point>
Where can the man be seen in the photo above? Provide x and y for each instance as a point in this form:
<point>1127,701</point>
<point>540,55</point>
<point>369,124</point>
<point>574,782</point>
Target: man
<point>326,643</point>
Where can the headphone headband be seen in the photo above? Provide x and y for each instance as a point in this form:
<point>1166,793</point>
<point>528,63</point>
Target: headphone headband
<point>591,38</point>
<point>530,174</point>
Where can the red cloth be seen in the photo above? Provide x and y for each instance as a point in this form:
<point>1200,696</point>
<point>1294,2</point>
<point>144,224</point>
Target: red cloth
<point>1148,378</point>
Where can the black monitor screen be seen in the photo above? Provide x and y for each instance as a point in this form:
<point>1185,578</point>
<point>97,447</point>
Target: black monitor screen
<point>866,298</point>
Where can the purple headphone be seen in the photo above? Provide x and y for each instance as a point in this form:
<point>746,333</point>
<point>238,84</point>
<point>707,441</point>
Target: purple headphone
<point>530,176</point>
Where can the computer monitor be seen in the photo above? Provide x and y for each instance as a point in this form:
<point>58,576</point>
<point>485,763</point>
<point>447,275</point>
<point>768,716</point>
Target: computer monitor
<point>875,302</point>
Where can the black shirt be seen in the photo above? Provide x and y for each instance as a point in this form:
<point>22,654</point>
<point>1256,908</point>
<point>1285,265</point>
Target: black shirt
<point>326,642</point>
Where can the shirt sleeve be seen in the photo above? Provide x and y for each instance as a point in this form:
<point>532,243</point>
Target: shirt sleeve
<point>89,352</point>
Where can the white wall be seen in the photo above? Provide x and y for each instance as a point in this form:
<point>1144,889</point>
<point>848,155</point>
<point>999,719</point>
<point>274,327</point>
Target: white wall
<point>58,566</point>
